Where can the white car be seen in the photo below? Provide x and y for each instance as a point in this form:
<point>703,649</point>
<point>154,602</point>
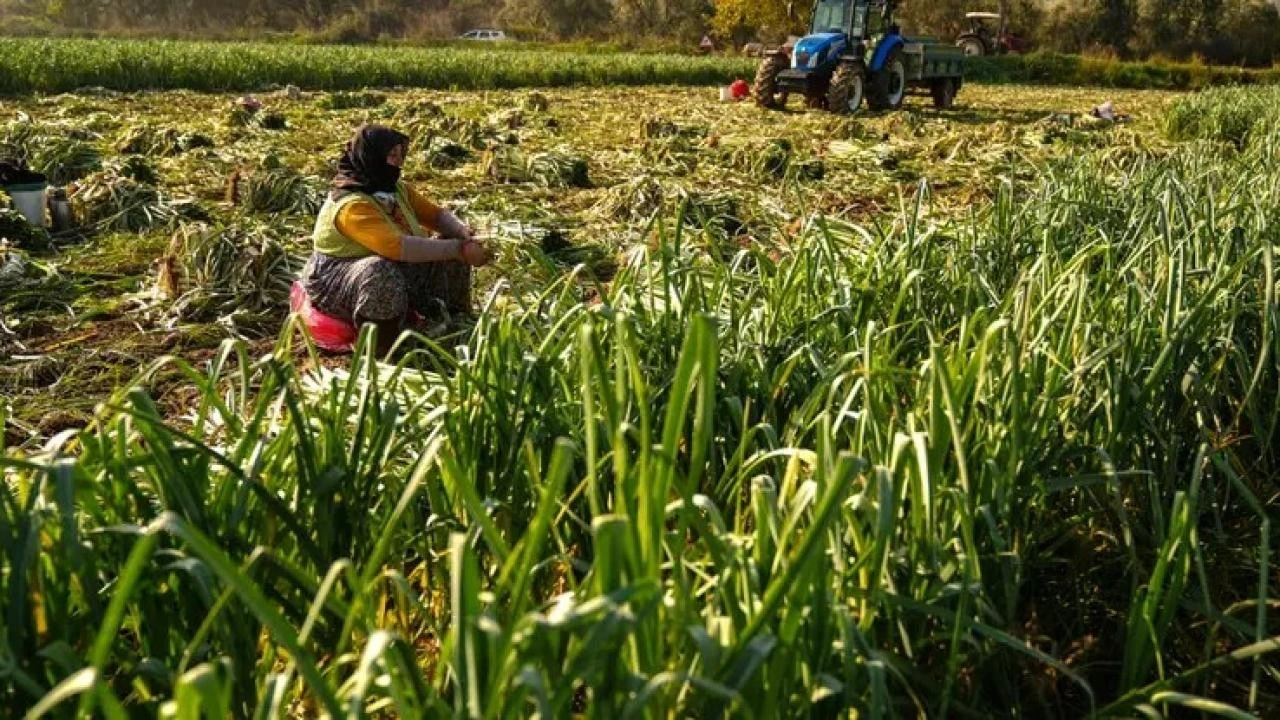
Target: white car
<point>489,35</point>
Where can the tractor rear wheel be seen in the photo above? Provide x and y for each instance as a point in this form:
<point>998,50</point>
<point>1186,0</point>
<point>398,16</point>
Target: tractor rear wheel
<point>888,87</point>
<point>848,85</point>
<point>765,88</point>
<point>944,93</point>
<point>972,45</point>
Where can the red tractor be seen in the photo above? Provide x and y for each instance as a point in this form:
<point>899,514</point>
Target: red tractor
<point>989,35</point>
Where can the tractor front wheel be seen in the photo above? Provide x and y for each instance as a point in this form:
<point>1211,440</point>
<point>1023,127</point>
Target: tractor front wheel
<point>848,85</point>
<point>944,93</point>
<point>888,87</point>
<point>765,88</point>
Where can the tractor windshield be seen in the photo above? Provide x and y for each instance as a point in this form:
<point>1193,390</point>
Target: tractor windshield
<point>829,16</point>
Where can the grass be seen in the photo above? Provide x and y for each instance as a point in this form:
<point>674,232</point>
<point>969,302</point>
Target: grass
<point>980,421</point>
<point>62,65</point>
<point>1229,115</point>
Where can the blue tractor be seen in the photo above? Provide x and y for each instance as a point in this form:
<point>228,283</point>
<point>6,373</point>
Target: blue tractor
<point>855,51</point>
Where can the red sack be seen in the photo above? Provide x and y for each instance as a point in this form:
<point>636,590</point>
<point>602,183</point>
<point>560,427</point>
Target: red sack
<point>329,333</point>
<point>739,89</point>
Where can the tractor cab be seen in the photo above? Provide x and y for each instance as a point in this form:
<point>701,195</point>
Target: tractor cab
<point>981,22</point>
<point>838,26</point>
<point>988,34</point>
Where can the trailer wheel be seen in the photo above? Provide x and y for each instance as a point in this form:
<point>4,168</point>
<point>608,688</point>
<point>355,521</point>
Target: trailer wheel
<point>848,85</point>
<point>888,87</point>
<point>765,88</point>
<point>944,93</point>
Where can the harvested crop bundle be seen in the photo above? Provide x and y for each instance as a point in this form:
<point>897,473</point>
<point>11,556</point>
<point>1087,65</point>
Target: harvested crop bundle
<point>465,131</point>
<point>137,168</point>
<point>64,160</point>
<point>238,117</point>
<point>351,101</point>
<point>193,141</point>
<point>559,168</point>
<point>670,147</point>
<point>506,165</point>
<point>14,268</point>
<point>26,283</point>
<point>508,119</point>
<point>272,121</point>
<point>554,168</point>
<point>271,189</point>
<point>445,154</point>
<point>113,201</point>
<point>41,371</point>
<point>241,116</point>
<point>716,209</point>
<point>141,141</point>
<point>675,154</point>
<point>15,229</point>
<point>163,142</point>
<point>636,200</point>
<point>759,158</point>
<point>808,170</point>
<point>16,139</point>
<point>598,260</point>
<point>419,110</point>
<point>535,102</point>
<point>656,127</point>
<point>237,275</point>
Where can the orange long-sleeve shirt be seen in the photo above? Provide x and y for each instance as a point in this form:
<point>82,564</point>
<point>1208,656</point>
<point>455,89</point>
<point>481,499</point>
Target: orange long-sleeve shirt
<point>364,222</point>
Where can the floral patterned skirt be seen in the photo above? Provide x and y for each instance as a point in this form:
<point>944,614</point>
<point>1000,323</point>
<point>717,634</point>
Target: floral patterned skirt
<point>375,289</point>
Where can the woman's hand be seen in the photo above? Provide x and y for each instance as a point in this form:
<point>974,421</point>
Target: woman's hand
<point>474,253</point>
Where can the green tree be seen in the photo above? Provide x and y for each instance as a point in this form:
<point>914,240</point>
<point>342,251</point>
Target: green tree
<point>558,19</point>
<point>1177,27</point>
<point>944,18</point>
<point>684,20</point>
<point>763,19</point>
<point>1116,24</point>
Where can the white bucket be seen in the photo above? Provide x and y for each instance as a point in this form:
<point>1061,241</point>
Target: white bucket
<point>726,94</point>
<point>30,201</point>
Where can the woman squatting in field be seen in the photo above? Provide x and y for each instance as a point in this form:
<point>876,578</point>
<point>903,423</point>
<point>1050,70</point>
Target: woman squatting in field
<point>375,258</point>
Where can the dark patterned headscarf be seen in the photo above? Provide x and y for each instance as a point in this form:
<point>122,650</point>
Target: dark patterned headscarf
<point>363,167</point>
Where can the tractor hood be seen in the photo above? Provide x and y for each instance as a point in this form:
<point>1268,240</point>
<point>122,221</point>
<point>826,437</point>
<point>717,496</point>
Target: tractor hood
<point>814,51</point>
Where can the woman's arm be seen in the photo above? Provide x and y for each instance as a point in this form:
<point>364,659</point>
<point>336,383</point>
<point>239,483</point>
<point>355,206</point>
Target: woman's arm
<point>448,225</point>
<point>428,250</point>
<point>365,223</point>
<point>437,218</point>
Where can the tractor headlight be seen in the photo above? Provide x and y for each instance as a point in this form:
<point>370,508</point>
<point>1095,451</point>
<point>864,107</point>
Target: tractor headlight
<point>816,59</point>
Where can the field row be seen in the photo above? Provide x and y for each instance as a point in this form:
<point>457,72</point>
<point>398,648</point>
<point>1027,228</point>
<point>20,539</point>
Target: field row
<point>52,66</point>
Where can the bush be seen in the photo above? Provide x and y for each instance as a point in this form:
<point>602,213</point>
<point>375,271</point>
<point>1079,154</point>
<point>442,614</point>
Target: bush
<point>1054,69</point>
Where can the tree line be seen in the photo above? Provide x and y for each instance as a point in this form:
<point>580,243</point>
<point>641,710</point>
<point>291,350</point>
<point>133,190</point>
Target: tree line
<point>1219,31</point>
